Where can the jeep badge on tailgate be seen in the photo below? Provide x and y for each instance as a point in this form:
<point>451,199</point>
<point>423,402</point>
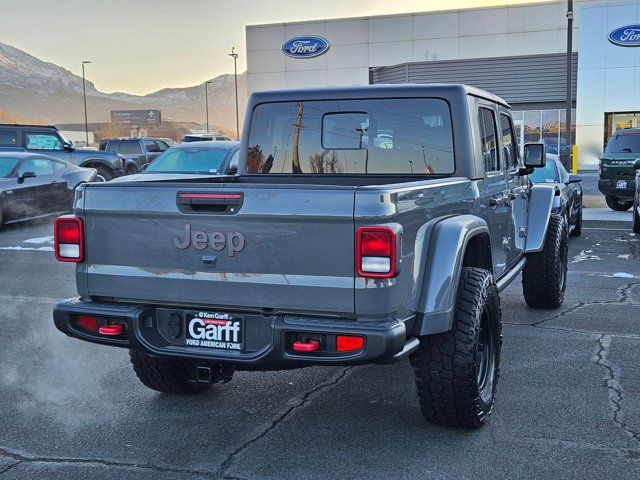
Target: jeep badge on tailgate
<point>233,241</point>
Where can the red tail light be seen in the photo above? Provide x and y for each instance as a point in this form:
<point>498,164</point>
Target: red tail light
<point>68,238</point>
<point>347,343</point>
<point>376,252</point>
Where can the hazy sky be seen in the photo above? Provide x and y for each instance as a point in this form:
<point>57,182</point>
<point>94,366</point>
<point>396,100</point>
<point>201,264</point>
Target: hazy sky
<point>140,46</point>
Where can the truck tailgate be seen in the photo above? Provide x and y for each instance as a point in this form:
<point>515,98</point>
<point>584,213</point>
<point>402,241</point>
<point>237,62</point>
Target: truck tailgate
<point>245,246</point>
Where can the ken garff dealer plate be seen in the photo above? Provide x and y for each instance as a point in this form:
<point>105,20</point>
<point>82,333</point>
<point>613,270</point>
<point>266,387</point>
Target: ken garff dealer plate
<point>307,46</point>
<point>628,36</point>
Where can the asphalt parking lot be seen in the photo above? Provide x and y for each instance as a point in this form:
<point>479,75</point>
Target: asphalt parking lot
<point>568,404</point>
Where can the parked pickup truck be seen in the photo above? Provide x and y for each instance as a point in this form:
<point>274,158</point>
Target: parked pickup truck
<point>47,140</point>
<point>137,152</point>
<point>366,225</point>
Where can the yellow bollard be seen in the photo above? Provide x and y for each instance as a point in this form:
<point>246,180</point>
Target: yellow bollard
<point>574,159</point>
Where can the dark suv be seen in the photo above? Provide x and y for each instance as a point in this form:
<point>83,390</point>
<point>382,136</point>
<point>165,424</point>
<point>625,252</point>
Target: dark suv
<point>49,141</point>
<point>136,151</point>
<point>617,177</point>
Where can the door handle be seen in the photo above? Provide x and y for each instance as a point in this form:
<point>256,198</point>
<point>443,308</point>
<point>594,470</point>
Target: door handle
<point>495,201</point>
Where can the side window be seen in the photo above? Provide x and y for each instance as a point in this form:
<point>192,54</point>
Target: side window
<point>161,146</point>
<point>8,138</point>
<point>42,141</point>
<point>151,146</point>
<point>39,166</point>
<point>489,139</point>
<point>509,146</point>
<point>233,163</point>
<point>58,167</point>
<point>130,147</point>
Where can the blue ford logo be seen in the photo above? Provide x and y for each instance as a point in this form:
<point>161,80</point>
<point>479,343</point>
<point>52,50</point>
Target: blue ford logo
<point>305,47</point>
<point>628,36</point>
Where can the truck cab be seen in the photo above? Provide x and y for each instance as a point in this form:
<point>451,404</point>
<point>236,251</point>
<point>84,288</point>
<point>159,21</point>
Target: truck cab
<point>137,152</point>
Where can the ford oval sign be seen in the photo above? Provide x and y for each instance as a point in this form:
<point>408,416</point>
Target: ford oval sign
<point>305,47</point>
<point>628,36</point>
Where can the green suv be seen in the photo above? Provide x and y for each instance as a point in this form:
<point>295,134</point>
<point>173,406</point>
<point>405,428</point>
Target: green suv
<point>617,176</point>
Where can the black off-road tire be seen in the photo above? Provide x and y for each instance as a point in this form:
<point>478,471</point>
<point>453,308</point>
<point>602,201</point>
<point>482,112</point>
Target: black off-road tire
<point>165,375</point>
<point>457,371</point>
<point>544,278</point>
<point>577,228</point>
<point>104,174</point>
<point>617,204</point>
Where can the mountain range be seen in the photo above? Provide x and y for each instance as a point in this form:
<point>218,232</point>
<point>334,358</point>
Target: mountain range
<point>34,90</point>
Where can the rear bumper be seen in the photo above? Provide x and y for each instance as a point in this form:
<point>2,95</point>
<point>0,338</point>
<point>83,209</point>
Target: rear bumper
<point>608,187</point>
<point>268,339</point>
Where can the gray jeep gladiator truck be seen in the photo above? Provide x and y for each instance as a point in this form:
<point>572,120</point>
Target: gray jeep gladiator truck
<point>366,225</point>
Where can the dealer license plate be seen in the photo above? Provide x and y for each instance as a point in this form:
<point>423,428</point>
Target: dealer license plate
<point>621,184</point>
<point>217,330</point>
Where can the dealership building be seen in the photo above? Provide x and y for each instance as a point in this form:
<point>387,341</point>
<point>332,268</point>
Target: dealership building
<point>517,52</point>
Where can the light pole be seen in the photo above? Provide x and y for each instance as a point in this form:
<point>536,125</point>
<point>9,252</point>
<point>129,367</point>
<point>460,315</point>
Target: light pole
<point>206,100</point>
<point>84,95</point>
<point>235,76</point>
<point>569,106</point>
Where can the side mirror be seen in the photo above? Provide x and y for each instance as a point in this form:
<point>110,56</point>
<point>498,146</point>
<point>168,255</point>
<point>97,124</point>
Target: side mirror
<point>232,170</point>
<point>636,164</point>
<point>24,175</point>
<point>535,155</point>
<point>69,147</point>
<point>573,178</point>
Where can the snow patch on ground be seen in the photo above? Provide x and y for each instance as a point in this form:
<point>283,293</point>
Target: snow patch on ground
<point>585,255</point>
<point>40,240</point>
<point>36,249</point>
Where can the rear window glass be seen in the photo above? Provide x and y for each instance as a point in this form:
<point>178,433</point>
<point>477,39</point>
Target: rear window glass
<point>374,136</point>
<point>188,160</point>
<point>629,143</point>
<point>126,147</point>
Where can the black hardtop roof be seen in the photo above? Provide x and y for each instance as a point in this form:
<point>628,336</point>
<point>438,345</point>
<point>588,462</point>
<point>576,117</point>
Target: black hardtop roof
<point>374,91</point>
<point>27,125</point>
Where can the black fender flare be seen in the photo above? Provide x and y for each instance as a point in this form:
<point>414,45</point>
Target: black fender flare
<point>443,262</point>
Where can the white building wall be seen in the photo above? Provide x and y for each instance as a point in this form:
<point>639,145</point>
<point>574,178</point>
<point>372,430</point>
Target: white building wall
<point>608,75</point>
<point>360,43</point>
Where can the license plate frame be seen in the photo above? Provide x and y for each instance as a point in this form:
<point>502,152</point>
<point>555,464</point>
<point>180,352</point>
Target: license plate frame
<point>214,330</point>
<point>621,184</point>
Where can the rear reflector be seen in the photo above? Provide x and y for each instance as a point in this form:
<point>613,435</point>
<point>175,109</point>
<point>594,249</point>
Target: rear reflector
<point>88,322</point>
<point>68,239</point>
<point>376,252</point>
<point>347,343</point>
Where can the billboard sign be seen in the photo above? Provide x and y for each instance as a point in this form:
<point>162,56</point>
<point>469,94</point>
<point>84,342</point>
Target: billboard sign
<point>135,117</point>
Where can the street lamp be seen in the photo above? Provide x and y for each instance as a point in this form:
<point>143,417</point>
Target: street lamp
<point>569,106</point>
<point>206,100</point>
<point>235,76</point>
<point>84,95</point>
